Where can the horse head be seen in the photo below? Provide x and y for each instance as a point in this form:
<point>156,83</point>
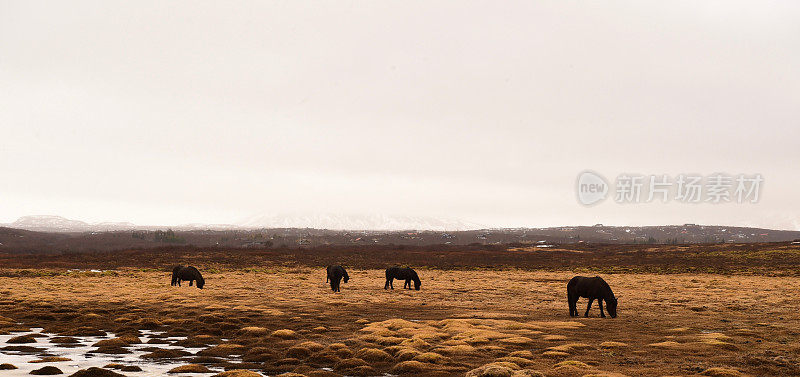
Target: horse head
<point>611,306</point>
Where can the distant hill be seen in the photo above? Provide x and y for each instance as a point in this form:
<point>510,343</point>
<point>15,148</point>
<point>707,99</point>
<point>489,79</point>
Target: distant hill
<point>357,222</point>
<point>58,234</point>
<point>51,223</point>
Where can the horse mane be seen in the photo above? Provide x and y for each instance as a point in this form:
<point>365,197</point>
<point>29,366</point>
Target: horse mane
<point>607,287</point>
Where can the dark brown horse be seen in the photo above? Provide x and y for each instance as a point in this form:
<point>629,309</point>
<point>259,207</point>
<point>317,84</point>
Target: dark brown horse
<point>594,289</point>
<point>175,271</point>
<point>189,273</point>
<point>402,273</point>
<point>335,275</point>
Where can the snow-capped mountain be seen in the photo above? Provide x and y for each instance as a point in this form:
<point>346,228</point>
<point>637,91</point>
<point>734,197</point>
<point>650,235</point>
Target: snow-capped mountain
<point>357,222</point>
<point>47,223</point>
<point>50,223</point>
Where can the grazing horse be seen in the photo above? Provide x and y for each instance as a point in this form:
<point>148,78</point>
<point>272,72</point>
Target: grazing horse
<point>175,271</point>
<point>402,273</point>
<point>591,288</point>
<point>335,274</point>
<point>189,273</point>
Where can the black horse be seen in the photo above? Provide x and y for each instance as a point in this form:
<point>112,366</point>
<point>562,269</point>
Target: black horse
<point>187,273</point>
<point>591,288</point>
<point>335,274</point>
<point>401,273</point>
<point>175,271</point>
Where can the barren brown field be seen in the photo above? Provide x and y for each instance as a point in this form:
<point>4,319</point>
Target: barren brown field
<point>462,322</point>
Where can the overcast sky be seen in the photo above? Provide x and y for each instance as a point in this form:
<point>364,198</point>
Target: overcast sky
<point>170,112</point>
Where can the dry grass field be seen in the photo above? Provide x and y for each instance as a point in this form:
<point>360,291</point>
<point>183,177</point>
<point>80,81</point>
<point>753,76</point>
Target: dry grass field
<point>462,322</point>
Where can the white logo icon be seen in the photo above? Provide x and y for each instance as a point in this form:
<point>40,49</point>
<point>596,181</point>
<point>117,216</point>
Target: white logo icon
<point>592,188</point>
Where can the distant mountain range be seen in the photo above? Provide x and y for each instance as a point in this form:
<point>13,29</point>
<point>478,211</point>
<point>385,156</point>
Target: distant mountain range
<point>55,233</point>
<point>49,223</point>
<point>335,229</point>
<point>358,222</point>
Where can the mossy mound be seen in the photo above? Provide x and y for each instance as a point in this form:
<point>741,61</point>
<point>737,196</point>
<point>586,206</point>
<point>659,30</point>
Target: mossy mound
<point>46,371</point>
<point>431,357</point>
<point>122,341</point>
<point>238,373</point>
<point>613,345</point>
<point>374,355</point>
<point>225,349</point>
<point>165,354</point>
<point>51,359</point>
<point>22,339</point>
<point>96,372</point>
<point>190,368</point>
<point>253,331</point>
<point>412,367</point>
<point>285,334</point>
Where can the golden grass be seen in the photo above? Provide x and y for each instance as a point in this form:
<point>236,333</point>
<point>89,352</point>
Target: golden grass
<point>510,323</point>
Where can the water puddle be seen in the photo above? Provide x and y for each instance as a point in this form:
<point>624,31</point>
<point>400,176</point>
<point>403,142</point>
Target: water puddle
<point>81,358</point>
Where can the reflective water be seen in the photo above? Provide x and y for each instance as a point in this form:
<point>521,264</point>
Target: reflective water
<point>82,359</point>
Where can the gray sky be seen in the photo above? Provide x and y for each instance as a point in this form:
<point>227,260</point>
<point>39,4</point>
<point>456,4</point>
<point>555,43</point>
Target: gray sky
<point>175,112</point>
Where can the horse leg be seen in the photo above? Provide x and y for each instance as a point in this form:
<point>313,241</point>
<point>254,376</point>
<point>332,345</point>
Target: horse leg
<point>190,282</point>
<point>588,307</point>
<point>600,302</point>
<point>569,303</point>
<point>572,303</point>
<point>179,282</point>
